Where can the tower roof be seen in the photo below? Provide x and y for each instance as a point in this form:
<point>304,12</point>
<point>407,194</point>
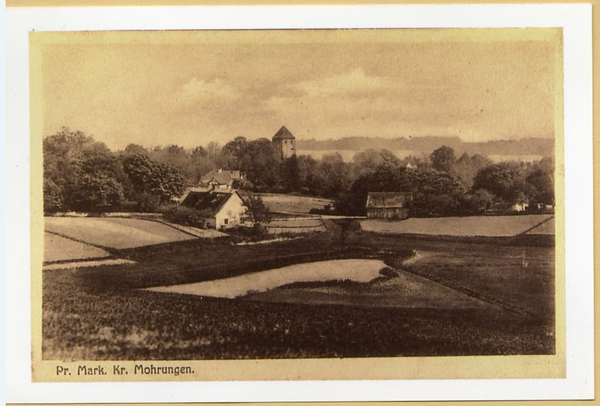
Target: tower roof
<point>283,133</point>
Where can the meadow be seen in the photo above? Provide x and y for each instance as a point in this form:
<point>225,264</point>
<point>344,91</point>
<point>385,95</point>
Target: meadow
<point>118,233</point>
<point>282,203</point>
<point>484,226</point>
<point>109,315</point>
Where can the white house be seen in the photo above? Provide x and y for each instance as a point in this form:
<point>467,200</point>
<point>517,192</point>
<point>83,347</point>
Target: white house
<point>223,210</point>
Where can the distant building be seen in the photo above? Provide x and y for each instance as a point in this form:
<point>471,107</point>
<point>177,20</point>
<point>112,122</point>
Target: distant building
<point>221,179</point>
<point>503,207</point>
<point>223,210</point>
<point>284,143</point>
<point>388,205</point>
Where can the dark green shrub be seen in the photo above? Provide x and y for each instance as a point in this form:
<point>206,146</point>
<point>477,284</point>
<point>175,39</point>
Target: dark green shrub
<point>187,216</point>
<point>388,272</point>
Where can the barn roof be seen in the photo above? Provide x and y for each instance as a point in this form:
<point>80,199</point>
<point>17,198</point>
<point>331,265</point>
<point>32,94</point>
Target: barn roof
<point>207,200</point>
<point>283,133</point>
<point>388,200</point>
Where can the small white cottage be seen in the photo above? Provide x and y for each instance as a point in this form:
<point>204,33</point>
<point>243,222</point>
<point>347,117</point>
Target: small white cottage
<point>224,210</point>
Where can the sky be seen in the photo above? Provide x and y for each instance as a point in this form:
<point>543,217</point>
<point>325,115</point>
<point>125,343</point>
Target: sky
<point>193,87</point>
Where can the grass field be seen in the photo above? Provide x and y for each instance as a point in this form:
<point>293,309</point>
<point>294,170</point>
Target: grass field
<point>108,314</point>
<point>116,233</point>
<point>404,291</point>
<point>484,226</point>
<point>280,203</point>
<point>546,228</point>
<point>292,225</point>
<point>57,248</point>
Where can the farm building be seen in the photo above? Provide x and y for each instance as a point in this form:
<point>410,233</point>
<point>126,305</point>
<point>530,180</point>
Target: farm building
<point>223,210</point>
<point>388,205</point>
<point>503,207</point>
<point>221,179</point>
<point>284,143</point>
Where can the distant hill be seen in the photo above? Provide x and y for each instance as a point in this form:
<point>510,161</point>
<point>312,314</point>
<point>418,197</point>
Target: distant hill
<point>425,145</point>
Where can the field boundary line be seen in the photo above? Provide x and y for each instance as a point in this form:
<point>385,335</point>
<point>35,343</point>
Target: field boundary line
<point>182,229</point>
<point>68,261</point>
<point>536,226</point>
<point>68,237</point>
<point>469,292</point>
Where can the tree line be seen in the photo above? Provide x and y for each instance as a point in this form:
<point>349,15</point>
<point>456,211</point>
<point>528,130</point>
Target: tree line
<point>82,174</point>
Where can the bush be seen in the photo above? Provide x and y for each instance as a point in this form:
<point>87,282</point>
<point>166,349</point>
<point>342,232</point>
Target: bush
<point>186,216</point>
<point>257,208</point>
<point>388,272</point>
<point>257,232</point>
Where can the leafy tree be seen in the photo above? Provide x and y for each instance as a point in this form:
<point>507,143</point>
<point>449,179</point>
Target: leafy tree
<point>153,182</point>
<point>478,202</point>
<point>466,167</point>
<point>213,151</point>
<point>233,151</point>
<point>260,165</point>
<point>135,149</point>
<point>96,192</point>
<point>540,184</point>
<point>371,159</point>
<point>187,216</point>
<point>383,179</point>
<point>435,193</point>
<point>177,158</point>
<point>309,177</point>
<point>336,175</point>
<point>200,163</point>
<point>257,208</point>
<point>443,158</point>
<point>75,164</point>
<point>53,199</point>
<point>504,180</point>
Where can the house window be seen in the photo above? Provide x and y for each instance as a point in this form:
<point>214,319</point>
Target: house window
<point>225,221</point>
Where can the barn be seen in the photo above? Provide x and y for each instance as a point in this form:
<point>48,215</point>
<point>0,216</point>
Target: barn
<point>388,205</point>
<point>223,210</point>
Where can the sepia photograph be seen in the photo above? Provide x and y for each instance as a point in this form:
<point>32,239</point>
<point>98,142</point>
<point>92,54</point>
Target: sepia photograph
<point>293,194</point>
<point>297,204</point>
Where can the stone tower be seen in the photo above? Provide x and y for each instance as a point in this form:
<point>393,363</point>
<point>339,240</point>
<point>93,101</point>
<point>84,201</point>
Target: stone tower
<point>284,143</point>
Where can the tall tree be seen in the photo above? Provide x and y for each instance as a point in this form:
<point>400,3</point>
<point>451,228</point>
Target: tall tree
<point>261,166</point>
<point>233,151</point>
<point>153,182</point>
<point>504,180</point>
<point>371,159</point>
<point>443,158</point>
<point>540,185</point>
<point>75,164</point>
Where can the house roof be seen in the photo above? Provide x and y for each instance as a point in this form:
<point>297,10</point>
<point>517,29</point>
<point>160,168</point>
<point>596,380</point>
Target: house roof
<point>223,177</point>
<point>283,133</point>
<point>207,201</point>
<point>388,200</point>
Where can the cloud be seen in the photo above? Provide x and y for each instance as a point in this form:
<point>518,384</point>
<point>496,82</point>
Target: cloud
<point>200,91</point>
<point>353,82</point>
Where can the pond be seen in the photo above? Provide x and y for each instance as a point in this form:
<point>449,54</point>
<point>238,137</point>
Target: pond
<point>358,270</point>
